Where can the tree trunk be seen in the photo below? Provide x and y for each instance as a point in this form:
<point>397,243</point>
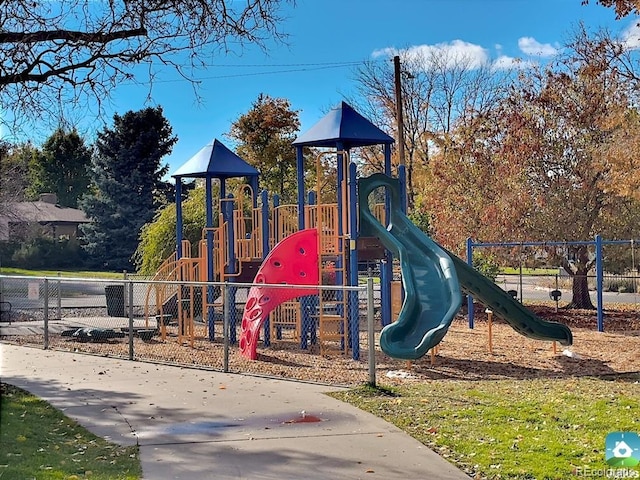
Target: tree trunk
<point>580,291</point>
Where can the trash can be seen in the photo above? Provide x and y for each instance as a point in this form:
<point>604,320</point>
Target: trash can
<point>115,300</point>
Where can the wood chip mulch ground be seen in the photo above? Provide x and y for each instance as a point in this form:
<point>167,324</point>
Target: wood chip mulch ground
<point>464,354</point>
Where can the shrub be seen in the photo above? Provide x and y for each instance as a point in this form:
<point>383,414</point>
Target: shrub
<point>48,253</point>
<point>486,264</point>
<point>622,285</point>
<point>7,249</point>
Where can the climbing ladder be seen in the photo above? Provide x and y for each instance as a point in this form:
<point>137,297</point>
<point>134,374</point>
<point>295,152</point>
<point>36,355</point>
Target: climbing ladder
<point>171,301</point>
<point>285,321</point>
<point>333,325</point>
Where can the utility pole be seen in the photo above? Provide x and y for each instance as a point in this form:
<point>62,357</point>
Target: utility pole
<point>399,119</point>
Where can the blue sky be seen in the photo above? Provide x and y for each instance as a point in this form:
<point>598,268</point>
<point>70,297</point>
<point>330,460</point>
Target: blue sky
<point>348,31</point>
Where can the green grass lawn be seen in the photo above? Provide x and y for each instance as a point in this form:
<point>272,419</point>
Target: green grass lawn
<point>55,273</point>
<point>507,429</point>
<point>38,441</point>
<point>529,271</point>
<point>511,429</point>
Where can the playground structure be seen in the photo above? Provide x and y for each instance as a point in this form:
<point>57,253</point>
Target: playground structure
<point>315,242</point>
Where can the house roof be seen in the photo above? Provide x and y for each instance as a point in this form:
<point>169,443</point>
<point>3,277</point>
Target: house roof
<point>44,212</point>
<point>215,161</point>
<point>343,124</point>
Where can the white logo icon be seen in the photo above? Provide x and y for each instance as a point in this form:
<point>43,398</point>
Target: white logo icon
<point>622,450</point>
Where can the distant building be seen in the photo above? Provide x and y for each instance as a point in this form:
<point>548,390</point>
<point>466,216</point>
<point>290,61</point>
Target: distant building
<point>45,217</point>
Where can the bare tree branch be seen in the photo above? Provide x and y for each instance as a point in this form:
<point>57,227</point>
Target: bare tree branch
<point>61,57</point>
<point>69,36</point>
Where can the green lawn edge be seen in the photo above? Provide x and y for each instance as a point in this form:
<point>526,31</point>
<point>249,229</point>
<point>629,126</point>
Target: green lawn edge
<point>511,429</point>
<point>39,441</point>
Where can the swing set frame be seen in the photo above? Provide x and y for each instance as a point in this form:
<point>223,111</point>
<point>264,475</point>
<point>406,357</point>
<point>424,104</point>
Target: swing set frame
<point>598,242</point>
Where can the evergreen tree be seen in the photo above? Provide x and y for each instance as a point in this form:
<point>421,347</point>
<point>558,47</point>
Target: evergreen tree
<point>61,168</point>
<point>126,175</point>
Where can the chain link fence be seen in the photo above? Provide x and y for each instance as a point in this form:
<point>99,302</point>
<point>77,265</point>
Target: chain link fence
<point>329,336</point>
<point>618,290</point>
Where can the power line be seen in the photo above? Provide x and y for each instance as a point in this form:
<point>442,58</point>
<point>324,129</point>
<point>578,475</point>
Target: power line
<point>260,65</point>
<point>306,67</point>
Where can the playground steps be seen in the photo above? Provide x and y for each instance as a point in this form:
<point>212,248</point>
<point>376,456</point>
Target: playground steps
<point>332,308</point>
<point>286,319</point>
<point>332,318</point>
<point>333,334</point>
<point>170,306</point>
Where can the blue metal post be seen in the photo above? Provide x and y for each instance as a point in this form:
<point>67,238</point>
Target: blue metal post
<point>264,213</point>
<point>387,160</point>
<point>231,268</point>
<point>469,297</point>
<point>385,293</point>
<point>254,191</point>
<point>276,218</point>
<point>223,191</point>
<point>353,263</point>
<point>340,173</point>
<point>402,176</point>
<point>309,304</point>
<point>231,240</point>
<point>301,189</point>
<point>342,244</point>
<point>210,277</point>
<point>178,217</point>
<point>599,282</point>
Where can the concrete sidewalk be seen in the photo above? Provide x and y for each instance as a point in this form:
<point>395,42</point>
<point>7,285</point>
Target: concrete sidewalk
<point>196,424</point>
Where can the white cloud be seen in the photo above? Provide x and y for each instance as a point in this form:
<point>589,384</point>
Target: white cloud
<point>459,53</point>
<point>385,52</point>
<point>532,47</point>
<point>453,53</point>
<point>504,62</point>
<point>631,36</point>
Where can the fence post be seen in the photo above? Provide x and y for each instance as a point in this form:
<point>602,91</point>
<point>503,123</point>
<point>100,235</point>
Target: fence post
<point>125,291</point>
<point>352,307</point>
<point>264,224</point>
<point>130,294</point>
<point>599,282</point>
<point>371,333</point>
<point>469,297</point>
<point>46,313</point>
<point>225,327</point>
<point>59,300</point>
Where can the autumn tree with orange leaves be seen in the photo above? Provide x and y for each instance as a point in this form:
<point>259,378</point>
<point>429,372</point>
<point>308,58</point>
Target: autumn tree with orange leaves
<point>440,89</point>
<point>533,167</point>
<point>623,8</point>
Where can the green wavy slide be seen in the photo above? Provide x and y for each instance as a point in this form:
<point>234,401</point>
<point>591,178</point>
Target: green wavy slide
<point>432,279</point>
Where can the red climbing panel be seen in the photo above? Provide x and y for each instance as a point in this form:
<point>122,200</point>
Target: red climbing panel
<point>293,261</point>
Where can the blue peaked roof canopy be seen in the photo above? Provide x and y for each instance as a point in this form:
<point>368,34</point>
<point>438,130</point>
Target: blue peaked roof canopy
<point>343,124</point>
<point>215,161</point>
